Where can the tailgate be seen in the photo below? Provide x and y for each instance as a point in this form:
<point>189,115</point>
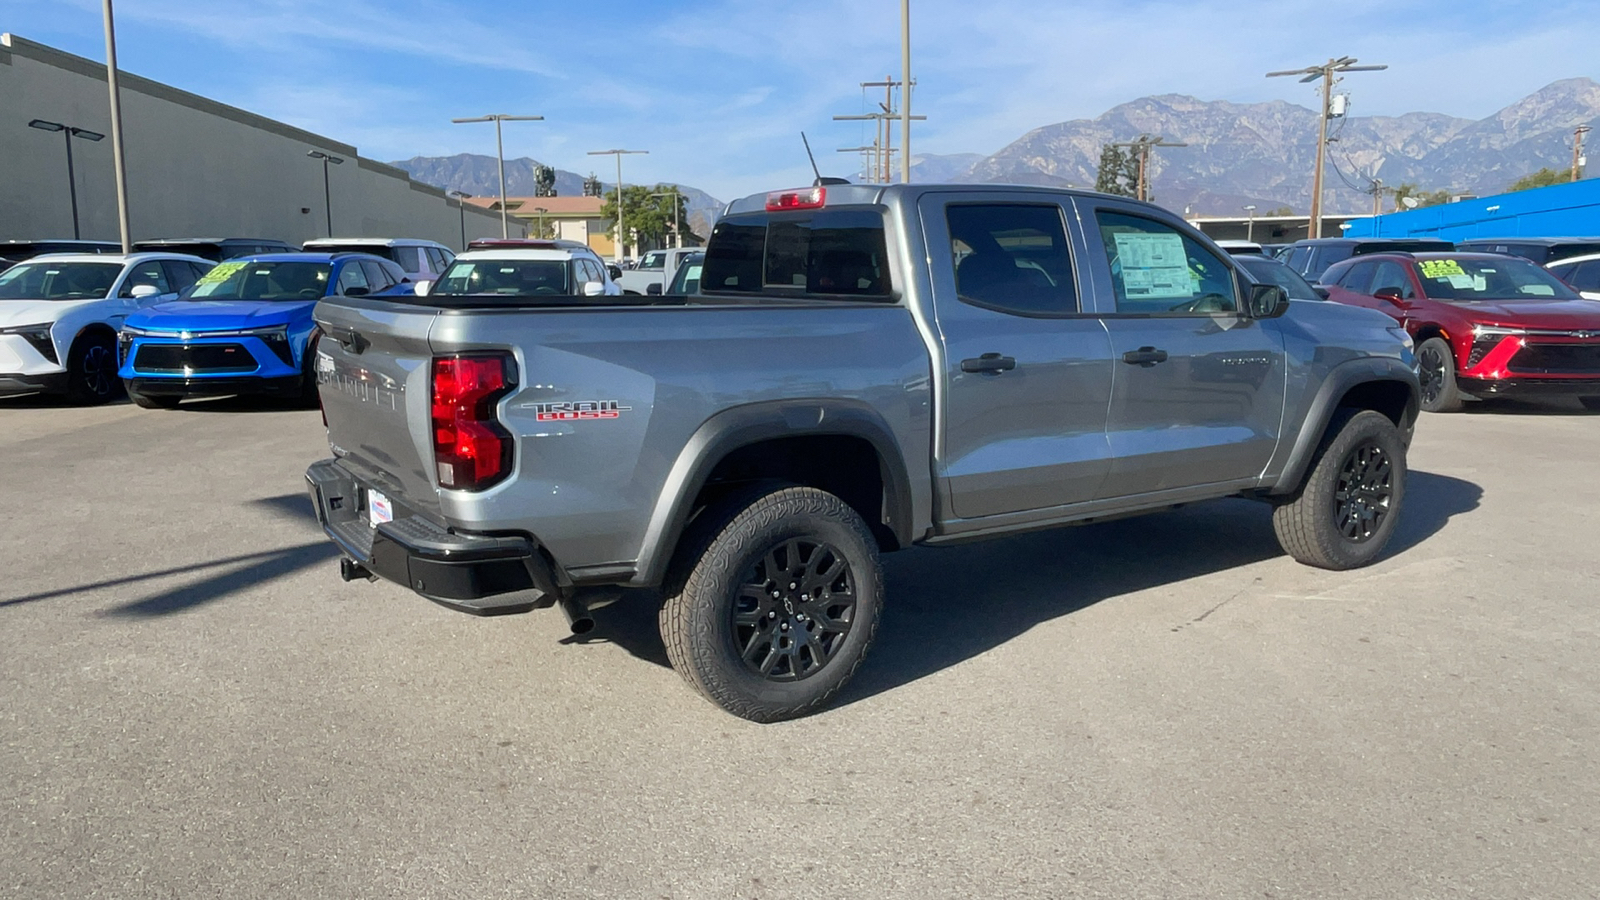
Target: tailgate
<point>373,373</point>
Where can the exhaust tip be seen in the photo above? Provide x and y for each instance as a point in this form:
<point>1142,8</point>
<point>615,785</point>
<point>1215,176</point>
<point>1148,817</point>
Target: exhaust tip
<point>577,614</point>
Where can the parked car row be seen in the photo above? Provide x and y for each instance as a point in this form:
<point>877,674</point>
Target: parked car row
<point>1491,318</point>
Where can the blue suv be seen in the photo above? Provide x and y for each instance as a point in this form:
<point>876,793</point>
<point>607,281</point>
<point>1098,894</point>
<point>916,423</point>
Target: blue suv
<point>244,327</point>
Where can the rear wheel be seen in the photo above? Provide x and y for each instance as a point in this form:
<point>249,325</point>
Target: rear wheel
<point>1436,372</point>
<point>773,603</point>
<point>1345,512</point>
<point>308,375</point>
<point>92,369</point>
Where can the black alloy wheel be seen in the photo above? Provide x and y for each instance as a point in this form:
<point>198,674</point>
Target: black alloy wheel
<point>794,610</point>
<point>1364,491</point>
<point>1430,373</point>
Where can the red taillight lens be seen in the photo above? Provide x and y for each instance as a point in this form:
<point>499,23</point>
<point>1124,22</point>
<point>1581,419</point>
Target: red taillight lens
<point>800,198</point>
<point>471,449</point>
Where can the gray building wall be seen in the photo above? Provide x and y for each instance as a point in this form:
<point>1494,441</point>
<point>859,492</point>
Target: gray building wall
<point>196,168</point>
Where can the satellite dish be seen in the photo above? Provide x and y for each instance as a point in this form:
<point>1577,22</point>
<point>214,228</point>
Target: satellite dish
<point>1408,202</point>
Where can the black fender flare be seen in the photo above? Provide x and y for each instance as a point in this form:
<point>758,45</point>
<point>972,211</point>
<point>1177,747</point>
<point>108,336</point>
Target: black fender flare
<point>742,426</point>
<point>1320,411</point>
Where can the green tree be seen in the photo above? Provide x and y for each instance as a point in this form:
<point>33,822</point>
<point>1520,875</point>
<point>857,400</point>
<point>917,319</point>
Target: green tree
<point>1423,198</point>
<point>1119,172</point>
<point>1279,211</point>
<point>646,217</point>
<point>1542,178</point>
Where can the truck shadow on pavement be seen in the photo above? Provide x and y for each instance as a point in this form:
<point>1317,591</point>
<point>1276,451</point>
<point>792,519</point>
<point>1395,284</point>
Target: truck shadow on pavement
<point>949,604</point>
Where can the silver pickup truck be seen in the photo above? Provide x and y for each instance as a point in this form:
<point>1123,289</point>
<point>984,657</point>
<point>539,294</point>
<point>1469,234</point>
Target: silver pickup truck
<point>866,368</point>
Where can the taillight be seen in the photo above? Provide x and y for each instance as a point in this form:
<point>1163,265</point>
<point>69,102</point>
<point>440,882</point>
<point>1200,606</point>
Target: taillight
<point>799,198</point>
<point>471,449</point>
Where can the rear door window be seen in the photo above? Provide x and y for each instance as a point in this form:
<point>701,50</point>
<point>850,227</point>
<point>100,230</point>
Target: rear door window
<point>827,252</point>
<point>407,258</point>
<point>1298,257</point>
<point>1012,258</point>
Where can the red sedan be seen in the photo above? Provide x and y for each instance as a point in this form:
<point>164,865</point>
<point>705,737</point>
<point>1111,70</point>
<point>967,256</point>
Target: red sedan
<point>1485,325</point>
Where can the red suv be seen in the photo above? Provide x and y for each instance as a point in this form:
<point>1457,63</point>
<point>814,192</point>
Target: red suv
<point>1485,325</point>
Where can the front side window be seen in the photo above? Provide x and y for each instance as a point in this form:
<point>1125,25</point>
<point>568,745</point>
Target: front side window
<point>1391,277</point>
<point>522,277</point>
<point>244,280</point>
<point>179,274</point>
<point>58,281</point>
<point>655,259</point>
<point>352,279</point>
<point>377,277</point>
<point>1357,278</point>
<point>1012,258</point>
<point>407,258</point>
<point>1157,269</point>
<point>826,252</point>
<point>145,274</point>
<point>1507,278</point>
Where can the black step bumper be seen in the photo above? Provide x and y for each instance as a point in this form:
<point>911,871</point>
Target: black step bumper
<point>485,575</point>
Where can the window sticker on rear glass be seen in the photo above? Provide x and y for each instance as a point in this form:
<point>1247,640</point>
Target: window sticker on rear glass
<point>220,273</point>
<point>1154,266</point>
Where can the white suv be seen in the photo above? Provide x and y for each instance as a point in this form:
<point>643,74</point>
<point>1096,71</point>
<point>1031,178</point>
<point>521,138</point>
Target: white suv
<point>525,268</point>
<point>422,260</point>
<point>59,316</point>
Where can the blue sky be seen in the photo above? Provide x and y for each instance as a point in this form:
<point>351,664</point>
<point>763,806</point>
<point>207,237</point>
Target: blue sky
<point>719,90</point>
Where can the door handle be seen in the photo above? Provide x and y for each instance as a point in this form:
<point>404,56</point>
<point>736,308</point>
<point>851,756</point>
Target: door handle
<point>348,338</point>
<point>989,364</point>
<point>1145,357</point>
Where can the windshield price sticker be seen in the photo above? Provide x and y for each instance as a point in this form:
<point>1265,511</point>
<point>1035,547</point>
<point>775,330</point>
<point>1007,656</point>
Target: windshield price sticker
<point>1441,268</point>
<point>220,273</point>
<point>1154,266</point>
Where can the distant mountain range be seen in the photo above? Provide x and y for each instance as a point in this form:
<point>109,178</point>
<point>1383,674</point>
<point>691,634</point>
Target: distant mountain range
<point>1262,153</point>
<point>480,176</point>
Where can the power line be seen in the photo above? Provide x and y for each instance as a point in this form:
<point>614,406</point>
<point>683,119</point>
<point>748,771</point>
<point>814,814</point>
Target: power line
<point>1328,73</point>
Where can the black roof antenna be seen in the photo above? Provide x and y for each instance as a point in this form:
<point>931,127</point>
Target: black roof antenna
<point>820,180</point>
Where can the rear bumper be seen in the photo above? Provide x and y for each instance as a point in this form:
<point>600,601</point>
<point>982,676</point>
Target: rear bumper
<point>485,575</point>
<point>214,387</point>
<point>14,384</point>
<point>1530,387</point>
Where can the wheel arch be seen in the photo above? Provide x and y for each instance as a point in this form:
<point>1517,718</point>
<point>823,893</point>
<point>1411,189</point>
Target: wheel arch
<point>1377,383</point>
<point>842,446</point>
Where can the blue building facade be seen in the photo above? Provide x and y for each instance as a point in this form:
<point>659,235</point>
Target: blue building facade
<point>1561,210</point>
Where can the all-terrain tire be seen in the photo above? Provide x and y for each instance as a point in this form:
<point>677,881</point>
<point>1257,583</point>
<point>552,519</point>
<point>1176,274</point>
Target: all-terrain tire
<point>1345,511</point>
<point>152,401</point>
<point>758,570</point>
<point>1437,369</point>
<point>92,369</point>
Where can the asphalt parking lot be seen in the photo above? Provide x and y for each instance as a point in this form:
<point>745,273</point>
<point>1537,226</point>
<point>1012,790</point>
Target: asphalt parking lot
<point>193,705</point>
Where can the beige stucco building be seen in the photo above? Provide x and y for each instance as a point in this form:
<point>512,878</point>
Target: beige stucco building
<point>195,167</point>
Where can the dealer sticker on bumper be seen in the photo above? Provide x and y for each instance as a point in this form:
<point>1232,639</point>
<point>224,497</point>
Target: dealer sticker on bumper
<point>379,509</point>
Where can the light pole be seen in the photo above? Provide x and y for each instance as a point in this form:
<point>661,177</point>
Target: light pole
<point>327,195</point>
<point>616,256</point>
<point>1326,72</point>
<point>117,162</point>
<point>1250,226</point>
<point>676,241</point>
<point>541,211</point>
<point>69,132</point>
<point>905,91</point>
<point>500,154</point>
<point>461,204</point>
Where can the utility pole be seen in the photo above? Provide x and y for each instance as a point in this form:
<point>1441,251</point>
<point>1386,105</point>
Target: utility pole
<point>117,161</point>
<point>1577,149</point>
<point>870,163</point>
<point>1142,148</point>
<point>1250,226</point>
<point>500,154</point>
<point>905,92</point>
<point>1377,190</point>
<point>1327,72</point>
<point>883,138</point>
<point>616,255</point>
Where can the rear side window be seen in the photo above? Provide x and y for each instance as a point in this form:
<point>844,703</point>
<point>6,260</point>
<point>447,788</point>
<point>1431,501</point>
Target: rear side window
<point>1323,257</point>
<point>1586,277</point>
<point>1297,258</point>
<point>1012,258</point>
<point>407,258</point>
<point>829,252</point>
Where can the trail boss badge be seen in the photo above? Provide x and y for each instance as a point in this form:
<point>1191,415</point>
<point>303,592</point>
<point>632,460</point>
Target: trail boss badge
<point>579,410</point>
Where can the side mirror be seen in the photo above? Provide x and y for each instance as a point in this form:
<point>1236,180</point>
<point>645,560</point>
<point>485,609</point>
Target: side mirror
<point>653,290</point>
<point>356,292</point>
<point>145,291</point>
<point>614,271</point>
<point>422,288</point>
<point>1268,301</point>
<point>593,288</point>
<point>1390,294</point>
<point>1322,292</point>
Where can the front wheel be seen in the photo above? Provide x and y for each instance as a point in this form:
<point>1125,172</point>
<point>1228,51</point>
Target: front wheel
<point>92,370</point>
<point>1345,512</point>
<point>772,606</point>
<point>1436,373</point>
